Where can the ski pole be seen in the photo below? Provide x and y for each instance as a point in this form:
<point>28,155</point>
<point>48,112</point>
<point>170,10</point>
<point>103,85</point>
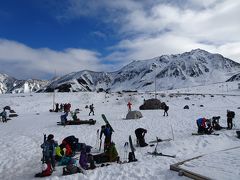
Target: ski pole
<point>100,145</point>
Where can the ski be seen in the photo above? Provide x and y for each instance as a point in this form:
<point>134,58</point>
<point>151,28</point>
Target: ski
<point>106,121</point>
<point>154,153</point>
<point>160,140</point>
<point>199,134</point>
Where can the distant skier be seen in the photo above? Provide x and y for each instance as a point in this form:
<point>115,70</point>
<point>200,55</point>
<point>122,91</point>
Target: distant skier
<point>91,107</point>
<point>230,116</point>
<point>140,133</point>
<point>4,115</point>
<point>129,104</point>
<point>57,107</point>
<point>165,108</point>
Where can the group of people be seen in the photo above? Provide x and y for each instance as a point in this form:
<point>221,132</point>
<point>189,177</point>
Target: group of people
<point>206,126</point>
<point>63,154</point>
<point>63,107</point>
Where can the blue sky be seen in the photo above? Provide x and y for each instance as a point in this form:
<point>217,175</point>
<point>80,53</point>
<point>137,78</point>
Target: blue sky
<point>38,37</point>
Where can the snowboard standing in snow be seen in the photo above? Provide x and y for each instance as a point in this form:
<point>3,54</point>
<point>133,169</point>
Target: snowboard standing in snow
<point>126,145</point>
<point>106,121</point>
<point>131,155</point>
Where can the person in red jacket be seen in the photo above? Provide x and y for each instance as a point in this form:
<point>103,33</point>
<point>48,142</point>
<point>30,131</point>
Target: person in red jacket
<point>129,104</point>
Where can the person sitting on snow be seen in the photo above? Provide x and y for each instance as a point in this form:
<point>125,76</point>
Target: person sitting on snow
<point>140,133</point>
<point>85,158</point>
<point>71,168</point>
<point>111,155</point>
<point>64,118</point>
<point>46,170</point>
<point>74,115</point>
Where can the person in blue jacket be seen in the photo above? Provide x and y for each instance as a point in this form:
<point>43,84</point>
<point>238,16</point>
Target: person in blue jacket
<point>64,118</point>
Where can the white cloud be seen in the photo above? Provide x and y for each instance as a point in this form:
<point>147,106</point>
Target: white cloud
<point>147,29</point>
<point>167,29</point>
<point>22,61</point>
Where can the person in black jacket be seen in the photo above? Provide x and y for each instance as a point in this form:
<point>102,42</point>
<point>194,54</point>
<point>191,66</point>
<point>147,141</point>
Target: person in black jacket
<point>140,133</point>
<point>166,108</point>
<point>230,116</point>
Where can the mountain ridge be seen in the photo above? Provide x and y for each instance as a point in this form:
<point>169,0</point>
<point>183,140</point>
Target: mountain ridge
<point>196,67</point>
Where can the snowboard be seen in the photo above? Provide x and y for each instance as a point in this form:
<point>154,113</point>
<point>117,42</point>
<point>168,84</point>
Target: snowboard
<point>199,134</point>
<point>80,122</point>
<point>160,140</point>
<point>106,121</point>
<point>160,154</point>
<point>132,154</point>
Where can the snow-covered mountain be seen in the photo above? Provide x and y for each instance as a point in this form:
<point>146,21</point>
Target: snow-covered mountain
<point>197,67</point>
<point>26,86</point>
<point>9,84</point>
<point>6,83</point>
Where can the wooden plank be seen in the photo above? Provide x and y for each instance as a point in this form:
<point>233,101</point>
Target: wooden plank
<point>190,174</point>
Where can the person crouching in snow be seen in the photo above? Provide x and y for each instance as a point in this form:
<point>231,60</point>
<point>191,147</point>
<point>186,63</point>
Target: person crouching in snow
<point>140,133</point>
<point>215,123</point>
<point>204,126</point>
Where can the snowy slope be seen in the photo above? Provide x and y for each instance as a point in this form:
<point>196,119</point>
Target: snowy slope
<point>21,137</point>
<point>197,67</point>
